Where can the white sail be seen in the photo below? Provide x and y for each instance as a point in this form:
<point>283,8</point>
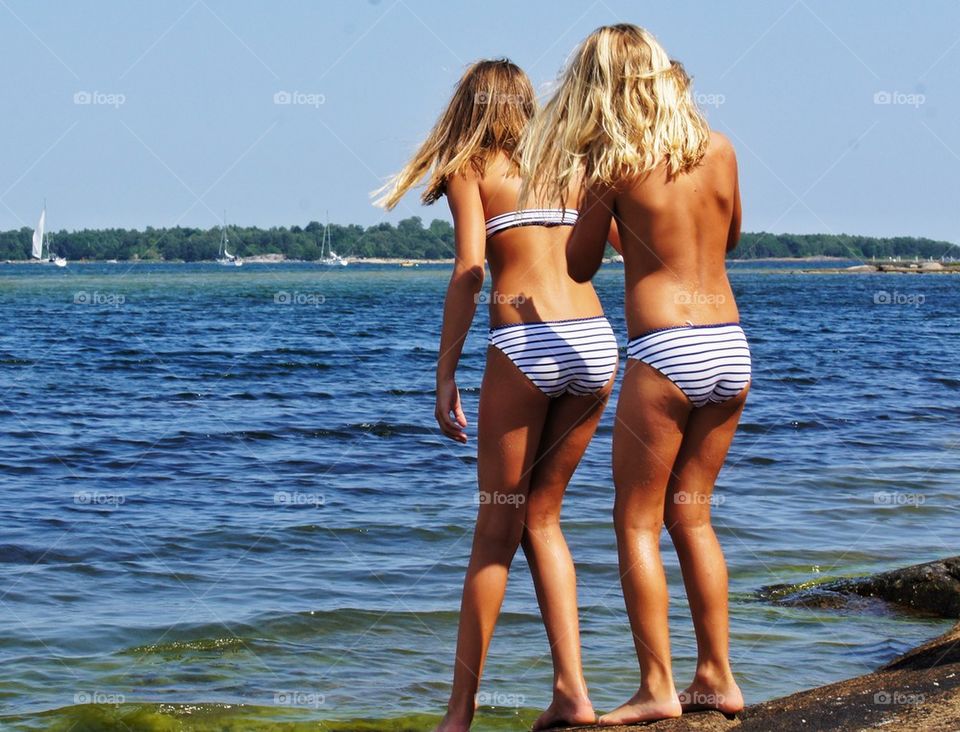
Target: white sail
<point>37,251</point>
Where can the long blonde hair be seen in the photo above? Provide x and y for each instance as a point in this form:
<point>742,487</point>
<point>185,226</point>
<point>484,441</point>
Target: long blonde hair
<point>622,107</point>
<point>491,106</point>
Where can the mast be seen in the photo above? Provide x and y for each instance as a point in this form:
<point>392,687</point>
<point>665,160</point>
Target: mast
<point>326,238</point>
<point>223,235</point>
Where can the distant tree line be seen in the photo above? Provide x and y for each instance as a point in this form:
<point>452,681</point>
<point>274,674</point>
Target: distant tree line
<point>409,239</point>
<point>761,245</point>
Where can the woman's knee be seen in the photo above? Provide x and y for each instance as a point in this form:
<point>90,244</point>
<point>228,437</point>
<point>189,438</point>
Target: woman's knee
<point>635,516</point>
<point>543,508</point>
<point>683,516</point>
<point>500,529</point>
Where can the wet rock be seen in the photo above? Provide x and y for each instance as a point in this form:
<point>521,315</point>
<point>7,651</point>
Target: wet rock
<point>932,588</point>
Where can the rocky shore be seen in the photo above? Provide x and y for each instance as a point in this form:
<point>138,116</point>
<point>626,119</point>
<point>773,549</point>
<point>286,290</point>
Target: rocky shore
<point>891,268</point>
<point>919,690</point>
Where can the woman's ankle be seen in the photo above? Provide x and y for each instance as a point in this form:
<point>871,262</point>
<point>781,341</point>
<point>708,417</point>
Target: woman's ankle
<point>462,707</point>
<point>714,671</point>
<point>658,684</point>
<point>571,689</point>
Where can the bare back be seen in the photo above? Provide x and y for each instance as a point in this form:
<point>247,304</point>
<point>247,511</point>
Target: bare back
<point>528,263</point>
<point>675,233</point>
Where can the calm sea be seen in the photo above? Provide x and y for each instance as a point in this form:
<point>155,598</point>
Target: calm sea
<point>225,502</point>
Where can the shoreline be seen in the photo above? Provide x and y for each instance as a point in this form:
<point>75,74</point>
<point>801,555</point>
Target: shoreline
<point>874,265</point>
<point>918,690</point>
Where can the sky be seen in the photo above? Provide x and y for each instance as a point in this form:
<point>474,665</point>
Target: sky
<point>122,114</point>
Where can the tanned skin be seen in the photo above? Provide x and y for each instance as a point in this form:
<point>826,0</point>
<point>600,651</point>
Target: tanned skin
<point>675,232</point>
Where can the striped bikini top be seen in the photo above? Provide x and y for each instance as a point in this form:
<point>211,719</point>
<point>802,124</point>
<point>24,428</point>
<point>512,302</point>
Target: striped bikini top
<point>531,217</point>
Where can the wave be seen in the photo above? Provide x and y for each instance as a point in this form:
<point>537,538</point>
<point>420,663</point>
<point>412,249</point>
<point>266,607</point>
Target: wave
<point>22,554</point>
<point>264,631</point>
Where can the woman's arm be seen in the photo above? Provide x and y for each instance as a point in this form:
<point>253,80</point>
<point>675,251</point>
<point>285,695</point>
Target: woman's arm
<point>589,238</point>
<point>463,195</point>
<point>613,236</point>
<point>733,236</point>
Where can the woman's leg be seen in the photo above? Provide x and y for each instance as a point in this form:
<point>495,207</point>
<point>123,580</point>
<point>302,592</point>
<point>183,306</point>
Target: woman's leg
<point>571,423</point>
<point>706,441</point>
<point>512,411</point>
<point>651,416</point>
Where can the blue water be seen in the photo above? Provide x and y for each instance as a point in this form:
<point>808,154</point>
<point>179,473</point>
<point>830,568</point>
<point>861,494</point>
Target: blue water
<point>225,487</point>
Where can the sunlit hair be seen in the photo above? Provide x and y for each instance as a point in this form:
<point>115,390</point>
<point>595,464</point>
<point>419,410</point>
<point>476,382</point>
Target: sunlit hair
<point>491,106</point>
<point>622,107</point>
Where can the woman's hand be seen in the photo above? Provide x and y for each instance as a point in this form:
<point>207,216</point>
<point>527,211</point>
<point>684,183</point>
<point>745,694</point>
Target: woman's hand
<point>449,413</point>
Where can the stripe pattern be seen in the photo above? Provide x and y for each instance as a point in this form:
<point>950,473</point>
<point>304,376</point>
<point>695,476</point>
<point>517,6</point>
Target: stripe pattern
<point>531,217</point>
<point>709,363</point>
<point>561,356</point>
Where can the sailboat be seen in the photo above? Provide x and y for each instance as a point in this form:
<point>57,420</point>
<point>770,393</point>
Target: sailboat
<point>225,257</point>
<point>40,239</point>
<point>327,255</point>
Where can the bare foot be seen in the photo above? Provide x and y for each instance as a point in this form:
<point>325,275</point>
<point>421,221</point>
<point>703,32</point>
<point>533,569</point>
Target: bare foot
<point>458,718</point>
<point>449,723</point>
<point>723,695</point>
<point>643,707</point>
<point>566,712</point>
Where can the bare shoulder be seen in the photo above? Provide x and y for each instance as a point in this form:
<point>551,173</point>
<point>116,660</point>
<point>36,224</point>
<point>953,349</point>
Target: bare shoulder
<point>721,148</point>
<point>463,181</point>
<point>467,175</point>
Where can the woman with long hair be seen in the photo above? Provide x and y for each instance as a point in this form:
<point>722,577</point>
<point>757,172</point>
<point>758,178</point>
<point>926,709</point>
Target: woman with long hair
<point>623,124</point>
<point>551,361</point>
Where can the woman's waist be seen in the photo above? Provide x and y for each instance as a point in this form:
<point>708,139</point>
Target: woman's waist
<point>651,309</point>
<point>532,302</point>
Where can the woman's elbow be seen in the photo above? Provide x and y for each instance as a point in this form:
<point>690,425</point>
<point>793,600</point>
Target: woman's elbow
<point>469,277</point>
<point>579,273</point>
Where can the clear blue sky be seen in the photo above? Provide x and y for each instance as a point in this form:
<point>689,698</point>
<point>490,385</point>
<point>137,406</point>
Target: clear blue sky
<point>197,131</point>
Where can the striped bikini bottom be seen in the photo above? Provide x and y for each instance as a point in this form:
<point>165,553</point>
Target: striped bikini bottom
<point>577,356</point>
<point>709,363</point>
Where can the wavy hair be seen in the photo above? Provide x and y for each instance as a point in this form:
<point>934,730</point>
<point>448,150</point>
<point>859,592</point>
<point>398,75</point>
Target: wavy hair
<point>490,109</point>
<point>622,107</point>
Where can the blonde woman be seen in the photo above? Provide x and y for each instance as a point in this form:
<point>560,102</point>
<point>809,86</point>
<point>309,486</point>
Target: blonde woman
<point>623,119</point>
<point>551,361</point>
